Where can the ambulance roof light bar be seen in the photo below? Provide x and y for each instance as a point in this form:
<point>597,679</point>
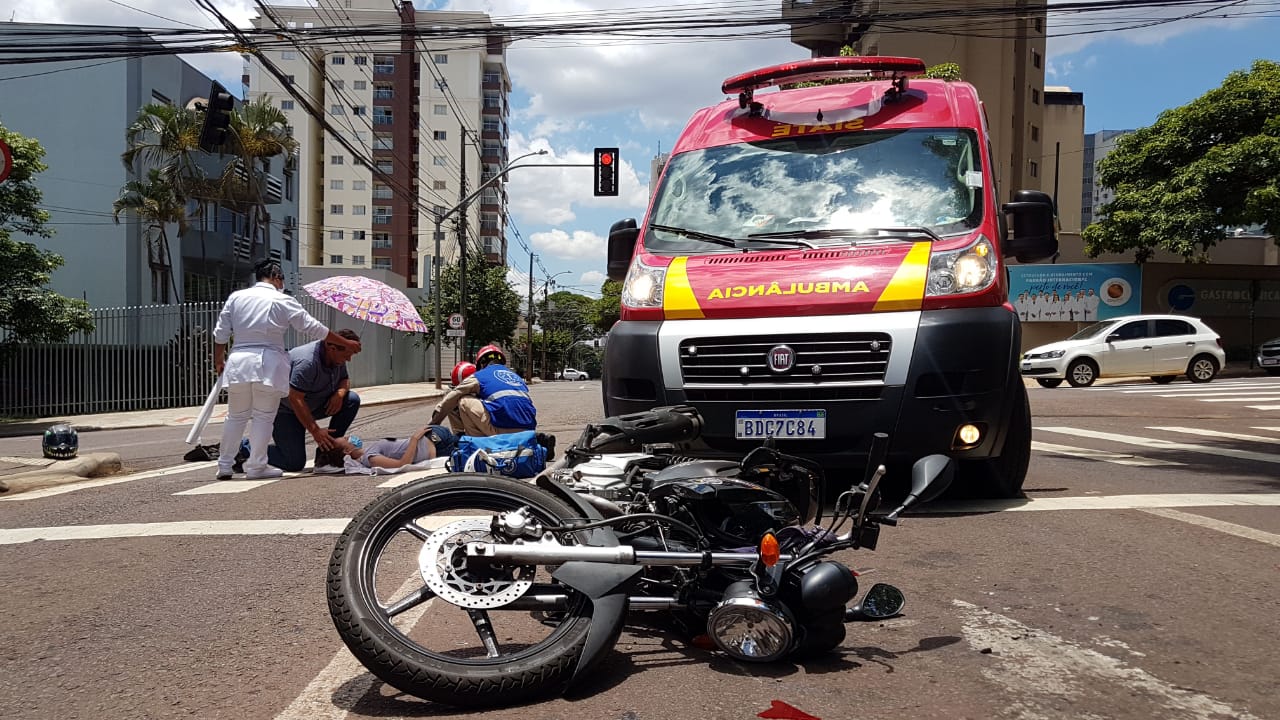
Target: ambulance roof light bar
<point>826,68</point>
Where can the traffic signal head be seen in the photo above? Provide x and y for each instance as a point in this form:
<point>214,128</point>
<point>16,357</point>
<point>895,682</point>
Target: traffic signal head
<point>606,175</point>
<point>217,118</point>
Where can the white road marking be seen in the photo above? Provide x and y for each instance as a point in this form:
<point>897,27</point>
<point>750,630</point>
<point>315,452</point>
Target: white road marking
<point>112,480</point>
<point>1263,407</point>
<point>1215,433</point>
<point>1103,455</point>
<point>219,487</point>
<point>1228,394</point>
<point>15,460</point>
<point>1165,444</point>
<point>1220,525</point>
<point>1045,673</point>
<point>1255,397</point>
<point>344,681</point>
<point>399,479</point>
<point>301,526</point>
<point>1189,388</point>
<point>1272,429</point>
<point>1104,502</point>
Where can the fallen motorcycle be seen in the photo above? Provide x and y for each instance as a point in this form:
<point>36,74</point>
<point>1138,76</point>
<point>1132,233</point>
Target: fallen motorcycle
<point>474,590</point>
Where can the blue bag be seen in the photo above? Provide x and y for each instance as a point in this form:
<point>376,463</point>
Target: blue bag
<point>516,454</point>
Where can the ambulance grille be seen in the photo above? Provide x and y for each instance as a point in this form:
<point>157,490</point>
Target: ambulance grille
<point>840,358</point>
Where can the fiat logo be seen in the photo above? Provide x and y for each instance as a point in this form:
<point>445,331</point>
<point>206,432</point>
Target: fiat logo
<point>781,358</point>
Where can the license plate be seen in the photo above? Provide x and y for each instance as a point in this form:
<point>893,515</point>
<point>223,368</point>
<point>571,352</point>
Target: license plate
<point>1271,361</point>
<point>1026,366</point>
<point>782,424</point>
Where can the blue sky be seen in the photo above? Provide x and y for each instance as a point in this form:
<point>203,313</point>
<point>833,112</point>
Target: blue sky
<point>570,97</point>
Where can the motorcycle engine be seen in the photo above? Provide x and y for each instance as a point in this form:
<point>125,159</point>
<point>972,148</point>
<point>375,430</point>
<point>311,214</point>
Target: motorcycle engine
<point>732,511</point>
<point>604,476</point>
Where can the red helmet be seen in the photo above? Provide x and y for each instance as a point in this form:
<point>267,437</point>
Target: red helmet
<point>462,371</point>
<point>489,354</point>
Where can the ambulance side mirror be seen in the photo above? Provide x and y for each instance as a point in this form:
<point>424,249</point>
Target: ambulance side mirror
<point>622,244</point>
<point>1033,226</point>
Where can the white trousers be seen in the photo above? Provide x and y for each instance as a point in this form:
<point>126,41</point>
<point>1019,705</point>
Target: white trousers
<point>245,401</point>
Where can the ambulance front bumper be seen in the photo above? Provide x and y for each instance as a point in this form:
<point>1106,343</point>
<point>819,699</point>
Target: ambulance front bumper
<point>917,376</point>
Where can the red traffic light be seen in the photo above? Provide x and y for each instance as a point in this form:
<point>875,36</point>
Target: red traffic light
<point>606,158</point>
<point>606,172</point>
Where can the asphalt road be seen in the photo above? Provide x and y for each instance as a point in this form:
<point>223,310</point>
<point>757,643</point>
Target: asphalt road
<point>1140,582</point>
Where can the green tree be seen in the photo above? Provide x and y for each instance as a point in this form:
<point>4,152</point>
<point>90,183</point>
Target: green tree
<point>156,204</point>
<point>493,307</point>
<point>608,307</point>
<point>30,312</point>
<point>565,318</point>
<point>1209,165</point>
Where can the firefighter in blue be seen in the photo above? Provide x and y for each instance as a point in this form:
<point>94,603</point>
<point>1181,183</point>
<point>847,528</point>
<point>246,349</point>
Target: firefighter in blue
<point>492,401</point>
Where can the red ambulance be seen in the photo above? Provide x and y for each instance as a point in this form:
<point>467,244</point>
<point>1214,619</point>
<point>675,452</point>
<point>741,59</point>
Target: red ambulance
<point>822,263</point>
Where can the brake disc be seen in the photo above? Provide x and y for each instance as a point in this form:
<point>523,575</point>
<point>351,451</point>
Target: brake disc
<point>443,564</point>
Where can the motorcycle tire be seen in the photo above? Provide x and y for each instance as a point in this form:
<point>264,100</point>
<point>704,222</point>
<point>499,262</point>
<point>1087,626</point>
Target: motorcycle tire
<point>390,653</point>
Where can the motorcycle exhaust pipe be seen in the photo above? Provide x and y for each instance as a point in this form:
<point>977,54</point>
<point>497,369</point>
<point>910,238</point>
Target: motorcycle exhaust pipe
<point>561,602</point>
<point>551,554</point>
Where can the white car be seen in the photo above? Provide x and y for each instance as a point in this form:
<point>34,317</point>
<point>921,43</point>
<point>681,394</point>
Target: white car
<point>571,374</point>
<point>1161,347</point>
<point>1269,356</point>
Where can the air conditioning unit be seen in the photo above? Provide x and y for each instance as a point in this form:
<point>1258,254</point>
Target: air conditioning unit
<point>242,246</point>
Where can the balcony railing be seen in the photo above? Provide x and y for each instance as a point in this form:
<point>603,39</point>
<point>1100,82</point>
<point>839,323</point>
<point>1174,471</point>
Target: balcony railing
<point>381,219</point>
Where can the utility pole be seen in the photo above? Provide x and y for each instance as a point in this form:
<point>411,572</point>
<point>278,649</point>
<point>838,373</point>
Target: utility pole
<point>529,317</point>
<point>462,236</point>
<point>546,339</point>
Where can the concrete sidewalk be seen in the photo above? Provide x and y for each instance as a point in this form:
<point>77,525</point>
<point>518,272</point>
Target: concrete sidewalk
<point>369,396</point>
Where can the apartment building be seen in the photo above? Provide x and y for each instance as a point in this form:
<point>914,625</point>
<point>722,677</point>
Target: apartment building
<point>1094,195</point>
<point>426,110</point>
<point>80,113</point>
<point>1006,64</point>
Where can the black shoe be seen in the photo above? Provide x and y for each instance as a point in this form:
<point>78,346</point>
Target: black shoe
<point>238,465</point>
<point>547,441</point>
<point>223,476</point>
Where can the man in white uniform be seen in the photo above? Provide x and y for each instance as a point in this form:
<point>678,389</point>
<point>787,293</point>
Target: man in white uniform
<point>256,374</point>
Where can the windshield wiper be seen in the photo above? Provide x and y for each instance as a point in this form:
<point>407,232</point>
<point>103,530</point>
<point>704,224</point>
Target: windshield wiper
<point>869,233</point>
<point>728,242</point>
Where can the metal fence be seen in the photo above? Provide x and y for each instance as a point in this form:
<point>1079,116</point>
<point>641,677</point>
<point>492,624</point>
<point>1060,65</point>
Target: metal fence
<point>161,356</point>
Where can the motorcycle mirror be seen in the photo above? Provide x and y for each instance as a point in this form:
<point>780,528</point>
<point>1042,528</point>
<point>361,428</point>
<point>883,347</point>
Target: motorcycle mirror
<point>881,601</point>
<point>930,477</point>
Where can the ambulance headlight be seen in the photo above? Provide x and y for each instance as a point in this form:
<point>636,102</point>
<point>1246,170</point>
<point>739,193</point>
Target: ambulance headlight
<point>967,270</point>
<point>642,287</point>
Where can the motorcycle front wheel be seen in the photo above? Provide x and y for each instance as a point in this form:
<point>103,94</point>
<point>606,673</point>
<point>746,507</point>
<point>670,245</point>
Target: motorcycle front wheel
<point>417,616</point>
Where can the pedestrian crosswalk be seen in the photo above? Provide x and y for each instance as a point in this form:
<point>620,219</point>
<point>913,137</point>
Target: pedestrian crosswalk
<point>1253,393</point>
<point>1212,445</point>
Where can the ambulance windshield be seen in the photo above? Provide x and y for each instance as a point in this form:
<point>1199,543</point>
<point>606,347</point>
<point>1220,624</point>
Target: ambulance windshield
<point>825,181</point>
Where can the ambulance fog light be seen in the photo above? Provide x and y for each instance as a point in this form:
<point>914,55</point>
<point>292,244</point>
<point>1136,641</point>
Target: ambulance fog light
<point>967,436</point>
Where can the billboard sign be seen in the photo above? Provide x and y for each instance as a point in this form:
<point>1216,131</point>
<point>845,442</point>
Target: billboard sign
<point>1084,292</point>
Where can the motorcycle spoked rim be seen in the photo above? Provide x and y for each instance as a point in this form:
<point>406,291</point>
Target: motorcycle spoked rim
<point>390,525</point>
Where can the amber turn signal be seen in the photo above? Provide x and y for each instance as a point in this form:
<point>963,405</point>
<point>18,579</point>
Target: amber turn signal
<point>769,552</point>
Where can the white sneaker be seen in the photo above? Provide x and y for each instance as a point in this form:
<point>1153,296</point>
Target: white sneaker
<point>265,473</point>
<point>329,470</point>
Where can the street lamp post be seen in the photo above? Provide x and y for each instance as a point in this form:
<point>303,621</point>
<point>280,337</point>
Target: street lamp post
<point>440,218</point>
<point>546,339</point>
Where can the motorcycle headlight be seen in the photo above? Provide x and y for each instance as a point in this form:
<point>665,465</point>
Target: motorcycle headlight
<point>642,288</point>
<point>966,270</point>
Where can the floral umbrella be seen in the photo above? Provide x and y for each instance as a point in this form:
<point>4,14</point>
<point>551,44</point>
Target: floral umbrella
<point>368,299</point>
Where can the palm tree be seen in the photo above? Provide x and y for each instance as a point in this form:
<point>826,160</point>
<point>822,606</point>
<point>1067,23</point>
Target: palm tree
<point>259,131</point>
<point>156,203</point>
<point>167,137</point>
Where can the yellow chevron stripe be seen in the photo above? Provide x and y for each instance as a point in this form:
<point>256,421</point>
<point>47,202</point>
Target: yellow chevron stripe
<point>906,289</point>
<point>678,301</point>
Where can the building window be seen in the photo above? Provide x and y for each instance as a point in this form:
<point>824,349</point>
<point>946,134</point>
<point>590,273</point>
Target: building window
<point>286,104</point>
<point>335,184</point>
<point>382,141</point>
<point>440,59</point>
<point>381,241</point>
<point>335,234</point>
<point>358,109</point>
<point>357,259</point>
<point>1034,168</point>
<point>385,167</point>
<point>1035,96</point>
<point>358,209</point>
<point>384,63</point>
<point>1039,25</point>
<point>384,92</point>
<point>360,60</point>
<point>335,160</point>
<point>439,185</point>
<point>382,263</point>
<point>357,235</point>
<point>1035,134</point>
<point>1035,59</point>
<point>357,185</point>
<point>335,209</point>
<point>338,60</point>
<point>439,160</point>
<point>492,101</point>
<point>382,116</point>
<point>489,221</point>
<point>359,85</point>
<point>336,110</point>
<point>308,25</point>
<point>492,126</point>
<point>381,192</point>
<point>437,210</point>
<point>339,84</point>
<point>440,135</point>
<point>442,84</point>
<point>439,109</point>
<point>288,79</point>
<point>335,259</point>
<point>288,54</point>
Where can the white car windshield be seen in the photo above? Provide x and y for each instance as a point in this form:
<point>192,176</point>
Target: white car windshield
<point>921,178</point>
<point>1093,330</point>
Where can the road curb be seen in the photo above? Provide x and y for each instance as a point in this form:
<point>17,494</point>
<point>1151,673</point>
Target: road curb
<point>62,472</point>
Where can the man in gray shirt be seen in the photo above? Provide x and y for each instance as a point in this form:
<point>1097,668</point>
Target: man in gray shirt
<point>319,388</point>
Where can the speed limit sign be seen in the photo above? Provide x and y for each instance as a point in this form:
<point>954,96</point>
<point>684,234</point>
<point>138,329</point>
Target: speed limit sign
<point>6,160</point>
<point>455,321</point>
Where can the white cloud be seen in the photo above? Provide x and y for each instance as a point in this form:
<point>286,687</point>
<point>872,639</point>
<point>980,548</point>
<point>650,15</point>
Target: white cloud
<point>593,278</point>
<point>580,245</point>
<point>548,196</point>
